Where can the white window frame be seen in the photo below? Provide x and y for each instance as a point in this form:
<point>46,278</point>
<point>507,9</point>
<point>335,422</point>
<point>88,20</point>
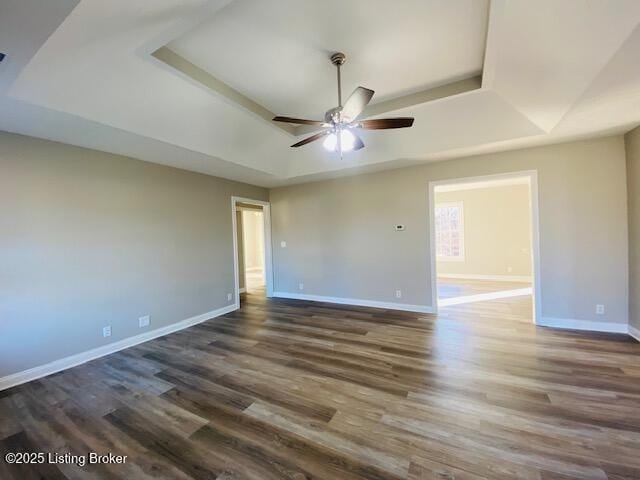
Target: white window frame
<point>459,258</point>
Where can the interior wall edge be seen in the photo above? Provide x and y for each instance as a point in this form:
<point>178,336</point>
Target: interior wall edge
<point>632,154</point>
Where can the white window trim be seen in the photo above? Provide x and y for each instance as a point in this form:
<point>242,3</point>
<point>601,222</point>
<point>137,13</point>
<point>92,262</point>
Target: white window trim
<point>460,258</point>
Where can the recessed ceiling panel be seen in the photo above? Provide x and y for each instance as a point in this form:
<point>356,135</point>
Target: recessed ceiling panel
<point>55,82</point>
<point>276,52</point>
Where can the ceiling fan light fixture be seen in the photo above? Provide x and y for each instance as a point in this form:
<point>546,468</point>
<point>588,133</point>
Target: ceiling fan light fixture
<point>330,142</point>
<point>347,139</point>
<point>339,120</point>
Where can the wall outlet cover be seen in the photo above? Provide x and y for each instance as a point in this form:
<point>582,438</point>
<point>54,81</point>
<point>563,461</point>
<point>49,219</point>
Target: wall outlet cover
<point>301,286</point>
<point>283,244</point>
<point>600,309</point>
<point>106,331</point>
<point>398,293</point>
<point>229,296</point>
<point>144,321</point>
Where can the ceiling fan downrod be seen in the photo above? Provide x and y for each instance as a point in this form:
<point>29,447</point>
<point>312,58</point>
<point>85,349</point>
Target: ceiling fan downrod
<point>338,60</point>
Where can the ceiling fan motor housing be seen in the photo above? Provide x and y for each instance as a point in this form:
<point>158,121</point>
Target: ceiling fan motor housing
<point>333,116</point>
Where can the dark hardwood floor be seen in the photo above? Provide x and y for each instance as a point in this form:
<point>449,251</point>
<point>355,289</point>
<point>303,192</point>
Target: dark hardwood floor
<point>299,390</point>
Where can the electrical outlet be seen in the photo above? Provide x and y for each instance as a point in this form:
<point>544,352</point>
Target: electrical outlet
<point>106,331</point>
<point>600,309</point>
<point>229,296</point>
<point>301,286</point>
<point>143,321</point>
<point>283,244</point>
<point>398,293</point>
<point>509,269</point>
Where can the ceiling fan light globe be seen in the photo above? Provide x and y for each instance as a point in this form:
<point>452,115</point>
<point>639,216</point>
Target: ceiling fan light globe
<point>348,140</point>
<point>331,142</point>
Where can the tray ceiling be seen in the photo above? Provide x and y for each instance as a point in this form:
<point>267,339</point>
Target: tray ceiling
<point>89,73</point>
<point>276,53</point>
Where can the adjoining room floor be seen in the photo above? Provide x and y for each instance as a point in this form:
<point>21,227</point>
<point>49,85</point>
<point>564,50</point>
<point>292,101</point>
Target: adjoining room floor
<point>459,287</point>
<point>255,281</point>
<point>300,390</point>
<point>485,299</point>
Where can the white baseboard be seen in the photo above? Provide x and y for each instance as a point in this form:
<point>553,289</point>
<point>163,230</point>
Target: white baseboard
<point>80,358</point>
<point>571,324</point>
<point>498,278</point>
<point>357,302</point>
<point>634,332</point>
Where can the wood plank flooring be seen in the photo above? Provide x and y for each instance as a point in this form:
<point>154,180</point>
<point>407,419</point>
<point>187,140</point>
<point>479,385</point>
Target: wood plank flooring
<point>299,390</point>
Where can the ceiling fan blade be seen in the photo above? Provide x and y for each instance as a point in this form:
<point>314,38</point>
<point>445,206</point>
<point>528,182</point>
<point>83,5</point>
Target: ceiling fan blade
<point>384,123</point>
<point>300,121</point>
<point>310,139</point>
<point>356,103</point>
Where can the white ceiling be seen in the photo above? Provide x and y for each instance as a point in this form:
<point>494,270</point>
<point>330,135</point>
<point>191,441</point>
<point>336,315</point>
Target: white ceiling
<point>281,58</point>
<point>84,74</point>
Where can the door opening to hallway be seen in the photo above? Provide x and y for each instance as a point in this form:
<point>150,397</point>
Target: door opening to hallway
<point>251,248</point>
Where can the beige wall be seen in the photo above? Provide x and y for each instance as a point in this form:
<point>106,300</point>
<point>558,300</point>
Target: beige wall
<point>497,231</point>
<point>341,241</point>
<point>90,239</point>
<point>253,231</point>
<point>632,143</point>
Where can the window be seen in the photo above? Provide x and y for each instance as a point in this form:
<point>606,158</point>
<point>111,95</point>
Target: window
<point>449,232</point>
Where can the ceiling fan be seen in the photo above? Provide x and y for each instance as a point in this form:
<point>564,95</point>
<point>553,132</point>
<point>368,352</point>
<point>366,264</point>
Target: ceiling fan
<point>339,122</point>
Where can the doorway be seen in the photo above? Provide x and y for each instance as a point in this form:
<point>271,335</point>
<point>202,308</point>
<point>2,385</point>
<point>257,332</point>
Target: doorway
<point>484,238</point>
<point>251,253</point>
<point>252,248</point>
